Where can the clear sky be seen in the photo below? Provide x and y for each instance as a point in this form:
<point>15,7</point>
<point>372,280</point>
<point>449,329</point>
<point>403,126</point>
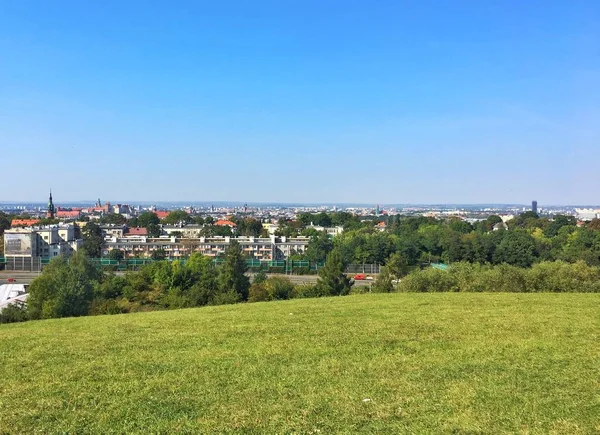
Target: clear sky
<point>301,101</point>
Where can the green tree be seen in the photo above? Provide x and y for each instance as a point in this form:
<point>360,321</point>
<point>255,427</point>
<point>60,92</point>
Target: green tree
<point>232,274</point>
<point>319,246</point>
<point>383,283</point>
<point>332,280</point>
<point>177,216</point>
<point>158,254</point>
<point>116,254</point>
<point>92,239</point>
<point>516,248</point>
<point>63,289</point>
<point>113,218</point>
<point>558,222</point>
<point>397,265</point>
<point>150,221</point>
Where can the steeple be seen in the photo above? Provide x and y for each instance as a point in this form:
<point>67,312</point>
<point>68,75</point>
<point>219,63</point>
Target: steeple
<point>50,211</point>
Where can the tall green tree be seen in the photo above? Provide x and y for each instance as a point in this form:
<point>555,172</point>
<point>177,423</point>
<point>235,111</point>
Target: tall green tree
<point>319,246</point>
<point>232,274</point>
<point>92,239</point>
<point>332,280</point>
<point>151,222</point>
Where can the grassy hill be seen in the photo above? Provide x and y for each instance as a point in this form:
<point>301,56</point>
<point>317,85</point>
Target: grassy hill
<point>415,363</point>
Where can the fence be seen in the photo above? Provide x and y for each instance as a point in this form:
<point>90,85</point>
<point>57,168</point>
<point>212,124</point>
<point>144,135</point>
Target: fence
<point>296,267</point>
<point>362,268</point>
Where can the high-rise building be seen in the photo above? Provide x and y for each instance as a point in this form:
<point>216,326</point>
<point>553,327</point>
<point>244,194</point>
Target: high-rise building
<point>534,207</point>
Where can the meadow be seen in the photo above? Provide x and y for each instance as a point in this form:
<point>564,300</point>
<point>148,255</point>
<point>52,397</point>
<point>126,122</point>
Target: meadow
<point>373,363</point>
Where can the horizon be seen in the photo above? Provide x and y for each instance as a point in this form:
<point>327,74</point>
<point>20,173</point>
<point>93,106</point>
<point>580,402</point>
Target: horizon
<point>294,204</point>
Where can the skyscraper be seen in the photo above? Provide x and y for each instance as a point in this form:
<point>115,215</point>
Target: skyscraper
<point>534,206</point>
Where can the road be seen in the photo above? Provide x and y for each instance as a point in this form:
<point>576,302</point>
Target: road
<point>27,277</point>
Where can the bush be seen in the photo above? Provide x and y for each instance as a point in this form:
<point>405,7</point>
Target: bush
<point>563,277</point>
<point>14,313</point>
<point>542,277</point>
<point>428,280</point>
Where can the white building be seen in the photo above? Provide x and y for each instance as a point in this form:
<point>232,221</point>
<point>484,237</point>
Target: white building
<point>587,214</point>
<point>12,294</point>
<point>24,248</point>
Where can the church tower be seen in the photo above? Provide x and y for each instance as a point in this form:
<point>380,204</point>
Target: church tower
<point>50,211</point>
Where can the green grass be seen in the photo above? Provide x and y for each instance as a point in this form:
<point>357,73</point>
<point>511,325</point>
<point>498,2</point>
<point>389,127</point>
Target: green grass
<point>427,363</point>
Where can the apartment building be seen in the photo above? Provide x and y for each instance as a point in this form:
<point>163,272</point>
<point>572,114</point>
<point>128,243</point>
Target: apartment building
<point>24,248</point>
<point>258,248</point>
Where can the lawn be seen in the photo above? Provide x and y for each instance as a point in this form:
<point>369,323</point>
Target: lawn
<point>394,363</point>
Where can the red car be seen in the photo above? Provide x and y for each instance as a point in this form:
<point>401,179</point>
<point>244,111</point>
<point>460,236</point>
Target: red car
<point>360,277</point>
<point>11,280</point>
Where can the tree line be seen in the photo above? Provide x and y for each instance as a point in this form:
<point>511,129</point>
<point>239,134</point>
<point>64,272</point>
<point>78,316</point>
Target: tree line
<point>75,287</point>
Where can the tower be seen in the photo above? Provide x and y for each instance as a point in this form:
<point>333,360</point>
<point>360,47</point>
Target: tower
<point>50,210</point>
<point>534,207</point>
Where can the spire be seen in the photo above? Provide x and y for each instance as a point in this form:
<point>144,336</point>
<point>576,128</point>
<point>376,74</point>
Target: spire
<point>51,209</point>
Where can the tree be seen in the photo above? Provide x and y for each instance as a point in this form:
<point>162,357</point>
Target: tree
<point>158,254</point>
<point>92,239</point>
<point>516,248</point>
<point>151,222</point>
<point>319,246</point>
<point>232,276</point>
<point>63,289</point>
<point>177,216</point>
<point>397,265</point>
<point>558,222</point>
<point>383,283</point>
<point>116,254</point>
<point>113,218</point>
<point>249,227</point>
<point>332,280</point>
<point>594,224</point>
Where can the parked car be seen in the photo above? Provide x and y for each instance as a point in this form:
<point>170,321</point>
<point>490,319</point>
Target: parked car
<point>360,277</point>
<point>11,280</point>
<point>369,278</point>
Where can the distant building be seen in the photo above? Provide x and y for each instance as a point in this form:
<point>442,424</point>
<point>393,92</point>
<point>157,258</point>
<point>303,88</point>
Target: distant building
<point>24,222</point>
<point>534,207</point>
<point>24,248</point>
<point>161,214</point>
<point>256,248</point>
<point>332,231</point>
<point>50,209</point>
<point>587,214</point>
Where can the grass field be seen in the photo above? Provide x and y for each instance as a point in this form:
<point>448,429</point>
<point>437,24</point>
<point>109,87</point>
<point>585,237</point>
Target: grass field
<point>396,363</point>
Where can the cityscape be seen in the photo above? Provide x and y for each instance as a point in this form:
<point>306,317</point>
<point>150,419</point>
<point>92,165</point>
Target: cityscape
<point>39,232</point>
<point>299,217</point>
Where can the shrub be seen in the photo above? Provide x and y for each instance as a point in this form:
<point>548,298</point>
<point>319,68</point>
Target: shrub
<point>14,313</point>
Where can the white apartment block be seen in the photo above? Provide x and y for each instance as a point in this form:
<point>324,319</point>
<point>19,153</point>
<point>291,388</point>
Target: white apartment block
<point>257,248</point>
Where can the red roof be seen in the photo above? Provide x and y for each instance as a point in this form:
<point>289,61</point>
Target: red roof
<point>24,222</point>
<point>137,231</point>
<point>68,214</point>
<point>161,214</point>
<point>225,223</point>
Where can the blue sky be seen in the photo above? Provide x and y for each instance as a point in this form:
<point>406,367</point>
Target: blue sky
<point>301,101</point>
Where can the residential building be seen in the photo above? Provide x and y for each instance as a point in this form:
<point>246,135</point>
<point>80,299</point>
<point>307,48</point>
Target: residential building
<point>24,248</point>
<point>258,248</point>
